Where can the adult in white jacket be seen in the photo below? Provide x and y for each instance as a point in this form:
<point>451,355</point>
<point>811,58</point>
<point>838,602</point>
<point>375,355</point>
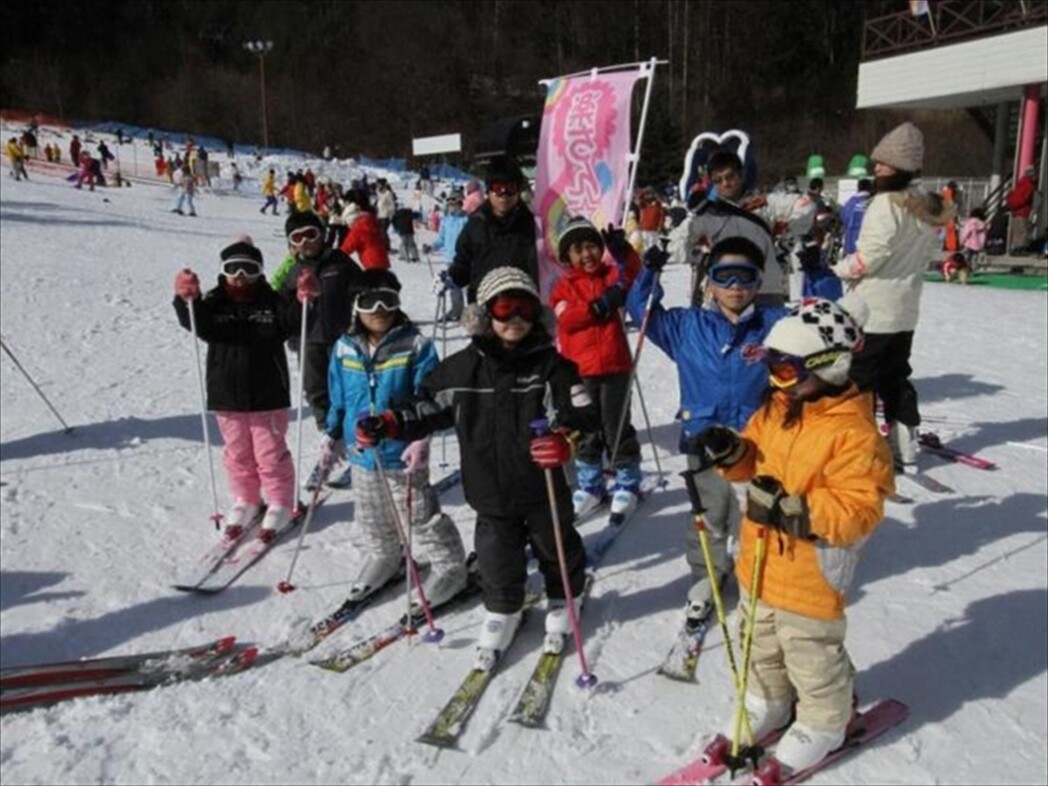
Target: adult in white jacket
<point>896,243</point>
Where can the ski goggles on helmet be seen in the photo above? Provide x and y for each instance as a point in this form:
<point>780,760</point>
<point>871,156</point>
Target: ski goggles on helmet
<point>786,371</point>
<point>371,300</point>
<point>303,235</point>
<point>740,274</point>
<point>504,307</point>
<point>241,268</point>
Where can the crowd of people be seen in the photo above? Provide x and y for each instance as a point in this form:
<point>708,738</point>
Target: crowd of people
<point>778,390</point>
<point>797,325</point>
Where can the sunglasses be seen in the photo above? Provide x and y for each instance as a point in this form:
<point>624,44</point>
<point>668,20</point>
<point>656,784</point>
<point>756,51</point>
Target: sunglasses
<point>740,274</point>
<point>504,307</point>
<point>304,235</point>
<point>504,189</point>
<point>373,300</point>
<point>241,268</point>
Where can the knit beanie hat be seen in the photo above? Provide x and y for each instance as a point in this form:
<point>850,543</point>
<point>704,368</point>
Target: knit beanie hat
<point>241,249</point>
<point>377,278</point>
<point>578,230</point>
<point>503,169</point>
<point>500,280</point>
<point>901,148</point>
<point>302,220</point>
<point>824,334</point>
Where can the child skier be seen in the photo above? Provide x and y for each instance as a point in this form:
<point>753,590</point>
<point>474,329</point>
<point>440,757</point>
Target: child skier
<point>586,301</point>
<point>491,391</point>
<point>717,351</point>
<point>244,323</point>
<point>818,472</point>
<point>380,362</point>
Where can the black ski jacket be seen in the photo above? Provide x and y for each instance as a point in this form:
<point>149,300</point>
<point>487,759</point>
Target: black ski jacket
<point>246,363</point>
<point>490,396</point>
<point>488,242</point>
<point>339,278</point>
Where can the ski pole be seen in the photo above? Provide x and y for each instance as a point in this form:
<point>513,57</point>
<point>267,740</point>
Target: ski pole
<point>661,481</point>
<point>438,314</point>
<point>216,516</point>
<point>301,391</point>
<point>434,634</point>
<point>587,679</point>
<point>443,356</point>
<point>67,428</point>
<point>633,366</point>
<point>751,619</point>
<point>429,263</point>
<point>699,521</point>
<point>285,586</point>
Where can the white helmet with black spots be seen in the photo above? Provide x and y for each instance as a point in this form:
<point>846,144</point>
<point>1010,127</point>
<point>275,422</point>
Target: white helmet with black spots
<point>823,334</point>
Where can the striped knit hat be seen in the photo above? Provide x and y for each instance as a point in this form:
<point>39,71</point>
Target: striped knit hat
<point>579,229</point>
<point>500,280</point>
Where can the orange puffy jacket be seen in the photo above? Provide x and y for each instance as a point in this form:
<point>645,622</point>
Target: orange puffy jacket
<point>835,456</point>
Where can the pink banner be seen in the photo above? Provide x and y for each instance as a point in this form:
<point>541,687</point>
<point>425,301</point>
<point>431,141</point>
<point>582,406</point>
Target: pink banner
<point>583,158</point>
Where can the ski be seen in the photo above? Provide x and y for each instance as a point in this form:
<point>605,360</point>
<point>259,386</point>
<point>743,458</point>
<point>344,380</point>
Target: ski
<point>900,499</point>
<point>535,700</point>
<point>930,441</point>
<point>216,555</point>
<point>712,762</point>
<point>447,727</point>
<point>244,555</point>
<point>367,648</point>
<point>683,658</point>
<point>299,643</point>
<point>927,482</point>
<point>89,669</point>
<point>865,727</point>
<point>448,482</point>
<point>32,697</point>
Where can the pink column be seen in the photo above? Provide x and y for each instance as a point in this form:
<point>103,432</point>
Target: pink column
<point>1028,128</point>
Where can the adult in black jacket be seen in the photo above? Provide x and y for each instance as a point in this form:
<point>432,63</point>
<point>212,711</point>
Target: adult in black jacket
<point>490,392</point>
<point>500,232</point>
<point>339,279</point>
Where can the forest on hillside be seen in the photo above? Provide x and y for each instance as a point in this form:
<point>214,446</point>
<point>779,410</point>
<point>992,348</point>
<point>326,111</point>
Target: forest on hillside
<point>367,77</point>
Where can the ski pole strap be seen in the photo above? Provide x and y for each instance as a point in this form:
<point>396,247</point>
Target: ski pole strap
<point>690,483</point>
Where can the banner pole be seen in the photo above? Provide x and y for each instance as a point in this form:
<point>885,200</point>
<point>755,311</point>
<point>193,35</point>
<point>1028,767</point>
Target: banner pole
<point>649,69</point>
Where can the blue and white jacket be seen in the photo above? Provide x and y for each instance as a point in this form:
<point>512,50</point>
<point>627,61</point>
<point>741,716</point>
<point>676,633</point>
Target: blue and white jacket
<point>719,369</point>
<point>371,382</point>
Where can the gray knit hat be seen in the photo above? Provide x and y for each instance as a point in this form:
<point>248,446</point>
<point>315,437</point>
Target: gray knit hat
<point>505,279</point>
<point>901,148</point>
<point>578,230</point>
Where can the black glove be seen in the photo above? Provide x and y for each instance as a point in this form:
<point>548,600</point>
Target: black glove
<point>768,503</point>
<point>616,243</point>
<point>655,259</point>
<point>608,303</point>
<point>715,446</point>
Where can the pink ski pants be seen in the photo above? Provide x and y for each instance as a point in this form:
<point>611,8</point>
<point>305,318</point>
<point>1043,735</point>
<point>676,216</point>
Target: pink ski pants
<point>256,456</point>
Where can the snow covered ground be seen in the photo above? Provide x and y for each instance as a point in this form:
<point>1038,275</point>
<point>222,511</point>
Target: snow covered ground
<point>949,612</point>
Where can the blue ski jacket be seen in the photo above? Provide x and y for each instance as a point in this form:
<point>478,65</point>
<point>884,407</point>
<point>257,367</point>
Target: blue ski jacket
<point>719,369</point>
<point>386,378</point>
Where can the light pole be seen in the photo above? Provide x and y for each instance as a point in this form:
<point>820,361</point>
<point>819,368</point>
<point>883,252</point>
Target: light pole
<point>262,48</point>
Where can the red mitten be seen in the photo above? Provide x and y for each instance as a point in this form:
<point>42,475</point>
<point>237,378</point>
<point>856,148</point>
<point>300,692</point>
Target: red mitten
<point>307,286</point>
<point>551,450</point>
<point>187,285</point>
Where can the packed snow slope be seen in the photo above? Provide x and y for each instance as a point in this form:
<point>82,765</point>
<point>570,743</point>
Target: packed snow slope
<point>948,612</point>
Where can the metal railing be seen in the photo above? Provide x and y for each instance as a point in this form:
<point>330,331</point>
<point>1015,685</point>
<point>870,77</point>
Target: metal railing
<point>948,22</point>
